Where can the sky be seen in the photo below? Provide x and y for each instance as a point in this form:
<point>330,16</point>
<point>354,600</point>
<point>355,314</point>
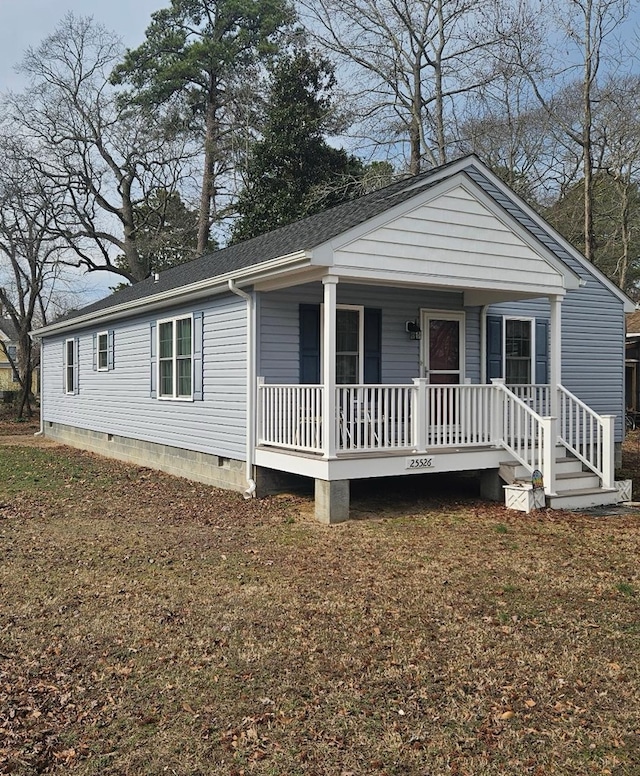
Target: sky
<point>24,24</point>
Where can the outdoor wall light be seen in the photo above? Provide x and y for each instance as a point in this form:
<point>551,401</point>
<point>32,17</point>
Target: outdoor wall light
<point>413,329</point>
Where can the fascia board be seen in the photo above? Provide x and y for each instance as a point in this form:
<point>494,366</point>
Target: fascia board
<point>180,295</point>
<point>324,254</point>
<point>629,305</point>
<point>442,282</point>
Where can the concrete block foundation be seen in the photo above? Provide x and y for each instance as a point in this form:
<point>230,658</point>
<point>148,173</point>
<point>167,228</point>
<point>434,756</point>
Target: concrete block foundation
<point>209,469</point>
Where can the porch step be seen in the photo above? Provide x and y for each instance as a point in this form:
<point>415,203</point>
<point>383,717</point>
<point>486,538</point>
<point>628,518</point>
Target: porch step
<point>581,480</point>
<point>512,471</point>
<point>583,498</point>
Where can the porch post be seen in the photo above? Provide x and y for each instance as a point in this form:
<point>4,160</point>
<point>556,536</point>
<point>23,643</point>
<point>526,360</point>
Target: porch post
<point>330,283</point>
<point>555,353</point>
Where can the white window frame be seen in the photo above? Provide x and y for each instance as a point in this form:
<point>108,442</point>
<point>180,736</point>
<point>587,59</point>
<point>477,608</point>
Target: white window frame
<point>104,368</point>
<point>360,309</point>
<point>532,357</point>
<point>173,397</point>
<point>70,343</point>
<point>442,315</point>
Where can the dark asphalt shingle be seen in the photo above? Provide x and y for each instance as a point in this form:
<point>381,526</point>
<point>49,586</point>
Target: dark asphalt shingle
<point>301,235</point>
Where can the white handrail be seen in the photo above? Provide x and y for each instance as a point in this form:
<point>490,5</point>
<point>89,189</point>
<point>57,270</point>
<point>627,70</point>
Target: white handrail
<point>587,435</point>
<point>525,434</point>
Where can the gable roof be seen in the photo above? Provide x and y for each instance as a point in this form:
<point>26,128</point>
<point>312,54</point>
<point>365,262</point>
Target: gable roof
<point>8,329</point>
<point>298,239</point>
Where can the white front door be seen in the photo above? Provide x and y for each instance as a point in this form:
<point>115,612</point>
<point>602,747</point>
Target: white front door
<point>442,358</point>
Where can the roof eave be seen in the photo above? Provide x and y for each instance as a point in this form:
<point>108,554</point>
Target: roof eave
<point>214,285</point>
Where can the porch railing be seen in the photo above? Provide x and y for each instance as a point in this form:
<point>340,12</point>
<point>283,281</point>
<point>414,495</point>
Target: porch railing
<point>538,397</point>
<point>374,417</point>
<point>587,435</point>
<point>524,433</point>
<point>290,416</point>
<point>421,417</point>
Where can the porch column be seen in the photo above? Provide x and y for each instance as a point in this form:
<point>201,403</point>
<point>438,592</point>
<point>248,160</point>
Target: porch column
<point>330,283</point>
<point>555,352</point>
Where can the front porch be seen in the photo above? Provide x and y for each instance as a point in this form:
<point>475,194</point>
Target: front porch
<point>384,430</point>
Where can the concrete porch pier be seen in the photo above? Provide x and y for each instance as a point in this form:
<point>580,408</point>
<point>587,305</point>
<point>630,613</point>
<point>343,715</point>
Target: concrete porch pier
<point>331,501</point>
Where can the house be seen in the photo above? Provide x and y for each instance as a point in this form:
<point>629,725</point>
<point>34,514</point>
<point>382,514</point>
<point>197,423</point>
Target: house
<point>9,382</point>
<point>632,362</point>
<point>438,324</point>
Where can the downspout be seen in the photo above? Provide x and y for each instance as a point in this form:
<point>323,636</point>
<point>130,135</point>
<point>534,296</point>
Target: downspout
<point>40,369</point>
<point>251,384</point>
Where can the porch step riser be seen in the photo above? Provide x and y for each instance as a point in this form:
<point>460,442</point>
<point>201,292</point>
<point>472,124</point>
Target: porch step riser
<point>577,500</point>
<point>577,481</point>
<point>511,472</point>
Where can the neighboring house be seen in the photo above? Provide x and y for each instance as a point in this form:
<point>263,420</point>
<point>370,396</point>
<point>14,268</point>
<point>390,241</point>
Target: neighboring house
<point>9,337</point>
<point>632,362</point>
<point>370,340</point>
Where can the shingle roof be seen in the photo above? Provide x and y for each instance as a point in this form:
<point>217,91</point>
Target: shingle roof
<point>310,232</point>
<point>298,236</point>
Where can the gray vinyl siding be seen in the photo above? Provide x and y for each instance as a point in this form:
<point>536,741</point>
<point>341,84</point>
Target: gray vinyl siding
<point>592,326</point>
<point>118,401</point>
<point>279,328</point>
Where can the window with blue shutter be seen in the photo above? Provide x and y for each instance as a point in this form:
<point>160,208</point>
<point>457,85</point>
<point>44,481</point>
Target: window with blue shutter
<point>310,337</point>
<point>497,331</point>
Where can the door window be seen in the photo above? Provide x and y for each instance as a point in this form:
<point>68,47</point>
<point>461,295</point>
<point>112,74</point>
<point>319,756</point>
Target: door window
<point>443,348</point>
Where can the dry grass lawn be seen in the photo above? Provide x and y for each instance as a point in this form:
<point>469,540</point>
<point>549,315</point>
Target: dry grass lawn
<point>149,626</point>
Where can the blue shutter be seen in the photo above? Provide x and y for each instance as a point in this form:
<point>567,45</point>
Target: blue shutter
<point>309,318</point>
<point>494,346</point>
<point>110,349</point>
<point>372,345</point>
<point>542,351</point>
<point>153,392</point>
<point>64,366</point>
<point>76,365</point>
<point>95,352</point>
<point>198,321</point>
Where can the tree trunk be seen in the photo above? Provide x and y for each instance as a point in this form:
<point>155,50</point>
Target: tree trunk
<point>587,126</point>
<point>415,145</point>
<point>207,192</point>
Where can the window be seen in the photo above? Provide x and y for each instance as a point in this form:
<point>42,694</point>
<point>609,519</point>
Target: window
<point>102,349</point>
<point>71,366</point>
<point>13,356</point>
<point>348,345</point>
<point>175,358</point>
<point>518,351</point>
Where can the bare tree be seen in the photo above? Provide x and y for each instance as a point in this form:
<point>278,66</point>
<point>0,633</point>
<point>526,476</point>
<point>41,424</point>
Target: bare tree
<point>572,39</point>
<point>29,257</point>
<point>413,60</point>
<point>617,124</point>
<point>103,158</point>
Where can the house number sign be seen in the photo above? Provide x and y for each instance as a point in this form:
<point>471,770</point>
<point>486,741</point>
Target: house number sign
<point>420,462</point>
